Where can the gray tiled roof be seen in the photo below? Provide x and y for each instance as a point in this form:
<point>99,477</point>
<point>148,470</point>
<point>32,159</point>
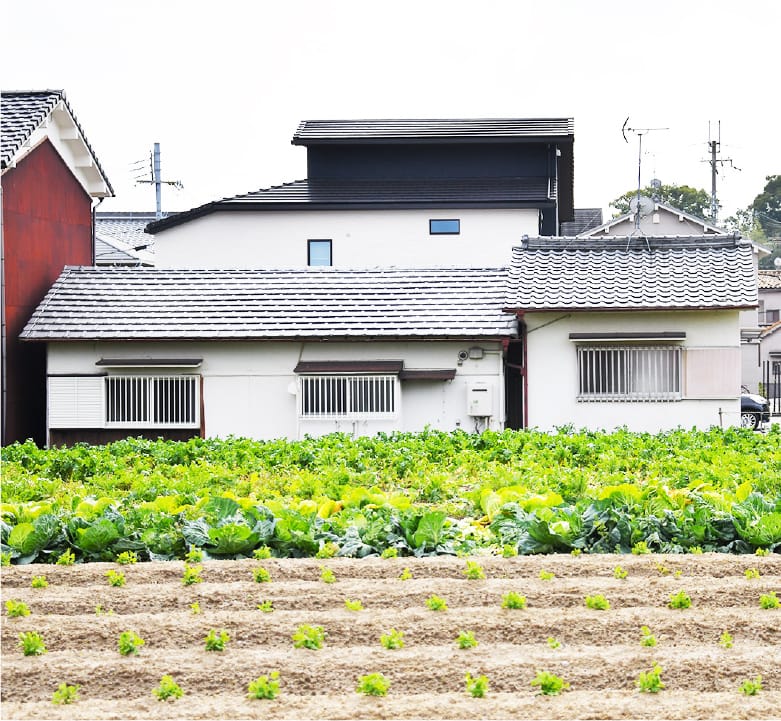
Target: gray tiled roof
<point>110,251</point>
<point>125,226</point>
<point>318,194</point>
<point>140,303</point>
<point>769,279</point>
<point>584,219</point>
<point>312,132</point>
<point>686,272</point>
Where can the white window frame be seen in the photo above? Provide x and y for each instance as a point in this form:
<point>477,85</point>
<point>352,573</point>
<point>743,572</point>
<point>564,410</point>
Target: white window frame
<point>134,398</point>
<point>642,373</point>
<point>340,396</point>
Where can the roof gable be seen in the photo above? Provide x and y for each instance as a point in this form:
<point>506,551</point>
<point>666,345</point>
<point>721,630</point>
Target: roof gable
<point>686,224</point>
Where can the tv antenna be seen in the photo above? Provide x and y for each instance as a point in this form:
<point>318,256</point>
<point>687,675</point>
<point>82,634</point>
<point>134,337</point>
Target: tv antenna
<point>154,168</point>
<point>713,146</point>
<point>641,207</point>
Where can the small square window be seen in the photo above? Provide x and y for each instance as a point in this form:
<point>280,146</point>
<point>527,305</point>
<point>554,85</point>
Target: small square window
<point>444,227</point>
<point>319,252</point>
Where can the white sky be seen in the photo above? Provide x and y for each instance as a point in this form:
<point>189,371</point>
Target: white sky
<point>223,85</point>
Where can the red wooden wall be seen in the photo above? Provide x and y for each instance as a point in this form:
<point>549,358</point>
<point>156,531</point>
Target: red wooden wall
<point>47,224</point>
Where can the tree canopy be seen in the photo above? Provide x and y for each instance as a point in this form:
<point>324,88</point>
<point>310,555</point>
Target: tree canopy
<point>761,220</point>
<point>684,197</point>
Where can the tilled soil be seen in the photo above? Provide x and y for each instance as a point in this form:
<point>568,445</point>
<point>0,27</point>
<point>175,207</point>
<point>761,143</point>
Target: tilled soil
<point>600,654</point>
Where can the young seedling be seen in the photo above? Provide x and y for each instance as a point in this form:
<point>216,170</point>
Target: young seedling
<point>327,575</point>
<point>5,558</point>
<point>752,573</point>
<point>307,636</point>
<point>266,606</point>
<point>216,640</point>
<point>168,688</point>
<point>195,608</point>
<point>194,555</point>
<point>66,558</point>
<point>262,553</point>
<point>640,548</point>
<point>39,582</point>
<point>553,643</point>
<point>466,639</point>
<point>393,639</point>
<point>696,550</point>
<point>725,640</point>
<point>127,558</point>
<point>129,643</point>
<point>191,575</point>
<point>680,600</point>
<point>65,694</point>
<point>751,688</point>
<point>261,575</point>
<point>662,569</point>
<point>620,573</point>
<point>473,571</point>
<point>435,603</point>
<point>547,575</point>
<point>31,643</point>
<point>16,609</point>
<point>648,639</point>
<point>264,687</point>
<point>550,685</point>
<point>390,552</point>
<point>476,687</point>
<point>650,681</point>
<point>100,611</point>
<point>762,552</point>
<point>513,600</point>
<point>373,684</point>
<point>327,550</point>
<point>677,573</point>
<point>405,575</point>
<point>597,602</point>
<point>575,552</point>
<point>353,605</point>
<point>509,551</point>
<point>115,578</point>
<point>769,600</point>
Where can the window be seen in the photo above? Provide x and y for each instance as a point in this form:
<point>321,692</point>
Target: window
<point>629,373</point>
<point>319,252</point>
<point>347,396</point>
<point>444,227</point>
<point>152,401</point>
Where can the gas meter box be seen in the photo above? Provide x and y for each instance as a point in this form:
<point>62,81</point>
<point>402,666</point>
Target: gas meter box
<point>479,399</point>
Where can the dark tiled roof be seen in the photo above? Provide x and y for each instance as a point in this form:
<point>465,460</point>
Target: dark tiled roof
<point>619,273</point>
<point>125,226</point>
<point>334,194</point>
<point>585,219</point>
<point>312,132</point>
<point>141,304</point>
<point>23,112</point>
<point>769,279</point>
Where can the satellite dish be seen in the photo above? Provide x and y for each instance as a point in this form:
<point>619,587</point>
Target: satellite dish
<point>642,204</point>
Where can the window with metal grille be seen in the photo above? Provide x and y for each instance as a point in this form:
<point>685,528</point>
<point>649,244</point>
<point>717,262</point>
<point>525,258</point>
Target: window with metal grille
<point>629,373</point>
<point>152,401</point>
<point>345,396</point>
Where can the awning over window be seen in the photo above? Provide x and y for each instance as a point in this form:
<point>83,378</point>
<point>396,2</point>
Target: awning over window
<point>150,362</point>
<point>434,374</point>
<point>639,335</point>
<point>370,366</point>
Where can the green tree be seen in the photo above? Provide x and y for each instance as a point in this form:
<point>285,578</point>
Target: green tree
<point>761,221</point>
<point>684,197</point>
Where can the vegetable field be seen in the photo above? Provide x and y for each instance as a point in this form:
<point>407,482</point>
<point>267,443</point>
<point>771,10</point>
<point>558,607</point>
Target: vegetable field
<point>520,628</point>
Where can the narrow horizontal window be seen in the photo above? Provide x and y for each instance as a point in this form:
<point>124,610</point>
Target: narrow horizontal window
<point>444,227</point>
<point>152,401</point>
<point>319,253</point>
<point>348,397</point>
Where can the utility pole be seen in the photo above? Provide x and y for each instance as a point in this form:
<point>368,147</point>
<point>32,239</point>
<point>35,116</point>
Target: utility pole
<point>713,146</point>
<point>158,182</point>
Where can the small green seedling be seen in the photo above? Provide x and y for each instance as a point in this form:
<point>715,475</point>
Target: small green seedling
<point>513,600</point>
<point>405,575</point>
<point>696,550</point>
<point>393,639</point>
<point>65,694</point>
<point>390,552</point>
<point>435,603</point>
<point>547,575</point>
<point>264,687</point>
<point>752,573</point>
<point>474,571</point>
<point>327,575</point>
<point>680,600</point>
<point>373,684</point>
<point>100,611</point>
<point>261,575</point>
<point>115,578</point>
<point>466,639</point>
<point>195,608</point>
<point>661,568</point>
<point>191,575</point>
<point>16,609</point>
<point>168,688</point>
<point>640,548</point>
<point>129,643</point>
<point>327,550</point>
<point>266,606</point>
<point>620,573</point>
<point>677,573</point>
<point>550,685</point>
<point>509,551</point>
<point>769,600</point>
<point>650,681</point>
<point>725,640</point>
<point>476,687</point>
<point>66,558</point>
<point>353,605</point>
<point>216,640</point>
<point>751,688</point>
<point>575,552</point>
<point>127,558</point>
<point>311,637</point>
<point>5,558</point>
<point>39,582</point>
<point>648,639</point>
<point>553,643</point>
<point>194,555</point>
<point>762,552</point>
<point>31,643</point>
<point>597,602</point>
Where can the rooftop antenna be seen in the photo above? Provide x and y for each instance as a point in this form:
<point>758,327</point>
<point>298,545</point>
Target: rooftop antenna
<point>642,205</point>
<point>713,146</point>
<point>154,162</point>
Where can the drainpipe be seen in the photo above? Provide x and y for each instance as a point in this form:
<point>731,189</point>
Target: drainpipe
<point>2,322</point>
<point>94,208</point>
<point>519,314</point>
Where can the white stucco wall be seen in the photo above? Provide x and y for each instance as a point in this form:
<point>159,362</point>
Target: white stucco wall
<point>360,238</point>
<point>553,381</point>
<point>247,386</point>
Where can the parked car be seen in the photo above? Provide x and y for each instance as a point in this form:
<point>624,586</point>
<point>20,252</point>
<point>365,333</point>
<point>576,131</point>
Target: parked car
<point>754,409</point>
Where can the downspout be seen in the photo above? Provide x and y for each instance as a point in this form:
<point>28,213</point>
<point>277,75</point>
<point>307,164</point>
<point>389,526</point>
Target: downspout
<point>519,314</point>
<point>94,208</point>
<point>2,323</point>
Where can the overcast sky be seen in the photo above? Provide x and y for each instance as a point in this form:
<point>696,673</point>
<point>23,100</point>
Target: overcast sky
<point>222,85</point>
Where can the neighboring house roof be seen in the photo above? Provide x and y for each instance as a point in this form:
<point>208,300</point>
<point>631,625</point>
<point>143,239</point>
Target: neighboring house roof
<point>611,227</point>
<point>769,279</point>
<point>584,219</point>
<point>151,304</point>
<point>372,194</point>
<point>449,130</point>
<point>29,116</point>
<point>630,273</point>
<point>110,251</point>
<point>125,226</point>
<point>770,329</point>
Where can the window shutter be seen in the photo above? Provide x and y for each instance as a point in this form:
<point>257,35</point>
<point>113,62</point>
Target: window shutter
<point>712,373</point>
<point>76,402</point>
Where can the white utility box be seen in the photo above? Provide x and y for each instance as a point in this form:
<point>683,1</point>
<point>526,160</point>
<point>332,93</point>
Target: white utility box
<point>479,399</point>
